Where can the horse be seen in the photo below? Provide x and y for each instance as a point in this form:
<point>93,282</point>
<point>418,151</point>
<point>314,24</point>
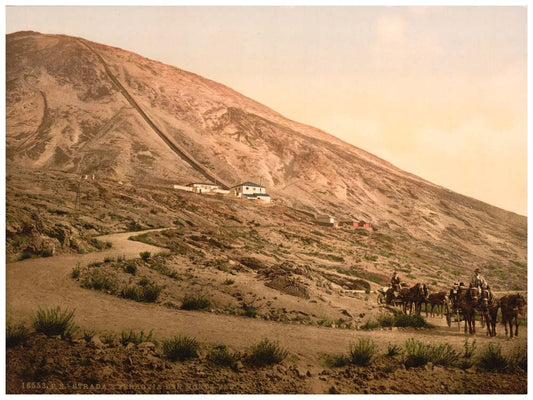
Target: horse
<point>415,295</point>
<point>467,302</point>
<point>488,309</point>
<point>512,305</point>
<point>438,300</point>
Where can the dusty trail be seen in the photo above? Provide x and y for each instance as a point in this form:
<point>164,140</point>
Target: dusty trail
<point>47,282</point>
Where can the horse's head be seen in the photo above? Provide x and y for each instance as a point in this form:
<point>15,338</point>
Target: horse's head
<point>473,294</point>
<point>484,299</point>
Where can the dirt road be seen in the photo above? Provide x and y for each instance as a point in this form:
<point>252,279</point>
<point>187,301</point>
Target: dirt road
<point>47,282</point>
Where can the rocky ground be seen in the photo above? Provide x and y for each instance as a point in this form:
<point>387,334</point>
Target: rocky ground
<point>52,365</point>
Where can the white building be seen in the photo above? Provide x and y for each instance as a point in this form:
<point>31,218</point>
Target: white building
<point>325,219</point>
<point>251,190</point>
<point>203,187</point>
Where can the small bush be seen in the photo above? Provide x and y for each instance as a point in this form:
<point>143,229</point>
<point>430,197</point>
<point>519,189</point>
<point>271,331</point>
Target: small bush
<point>386,320</point>
<point>362,352</point>
<point>222,356</point>
<point>336,360</point>
<point>130,268</point>
<point>229,282</point>
<point>419,354</point>
<point>132,292</point>
<point>151,293</point>
<point>53,322</point>
<point>370,325</point>
<point>414,321</point>
<point>76,271</point>
<point>250,310</point>
<point>16,334</point>
<point>469,348</point>
<point>109,339</point>
<point>131,336</point>
<point>180,348</point>
<point>145,255</point>
<point>109,259</point>
<point>99,280</point>
<point>95,264</point>
<point>88,335</point>
<point>192,302</point>
<point>393,350</point>
<point>266,353</point>
<point>491,358</point>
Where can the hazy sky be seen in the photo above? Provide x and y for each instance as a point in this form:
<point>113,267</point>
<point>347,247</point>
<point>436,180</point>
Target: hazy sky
<point>438,91</point>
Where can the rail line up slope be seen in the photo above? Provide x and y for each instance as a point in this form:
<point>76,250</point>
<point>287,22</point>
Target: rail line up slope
<point>170,143</point>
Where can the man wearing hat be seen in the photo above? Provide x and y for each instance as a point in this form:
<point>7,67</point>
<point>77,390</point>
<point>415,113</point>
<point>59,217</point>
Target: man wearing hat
<point>478,280</point>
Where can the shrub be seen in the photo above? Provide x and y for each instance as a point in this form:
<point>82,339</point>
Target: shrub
<point>491,358</point>
<point>192,302</point>
<point>109,339</point>
<point>130,268</point>
<point>76,271</point>
<point>88,335</point>
<point>95,264</point>
<point>221,355</point>
<point>419,354</point>
<point>415,321</point>
<point>132,292</point>
<point>266,353</point>
<point>370,325</point>
<point>336,360</point>
<point>131,336</point>
<point>393,350</point>
<point>229,282</point>
<point>362,352</point>
<point>99,280</point>
<point>249,310</point>
<point>469,348</point>
<point>109,259</point>
<point>151,292</point>
<point>145,255</point>
<point>386,320</point>
<point>55,322</point>
<point>16,334</point>
<point>180,348</point>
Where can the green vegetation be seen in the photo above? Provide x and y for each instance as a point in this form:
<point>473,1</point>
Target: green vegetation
<point>100,280</point>
<point>266,353</point>
<point>335,360</point>
<point>131,336</point>
<point>76,271</point>
<point>180,348</point>
<point>195,302</point>
<point>398,319</point>
<point>54,321</point>
<point>418,354</point>
<point>393,350</point>
<point>146,292</point>
<point>16,334</point>
<point>362,352</point>
<point>222,356</point>
<point>145,255</point>
<point>491,359</point>
<point>88,335</point>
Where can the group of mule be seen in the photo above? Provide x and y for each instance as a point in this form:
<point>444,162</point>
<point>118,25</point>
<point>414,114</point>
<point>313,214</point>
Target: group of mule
<point>460,301</point>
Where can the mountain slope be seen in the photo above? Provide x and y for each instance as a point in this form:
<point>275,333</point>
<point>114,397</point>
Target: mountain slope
<point>88,108</point>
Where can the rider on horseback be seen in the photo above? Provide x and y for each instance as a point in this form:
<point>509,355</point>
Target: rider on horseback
<point>395,282</point>
<point>479,281</point>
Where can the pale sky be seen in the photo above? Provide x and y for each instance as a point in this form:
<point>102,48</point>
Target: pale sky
<point>438,91</point>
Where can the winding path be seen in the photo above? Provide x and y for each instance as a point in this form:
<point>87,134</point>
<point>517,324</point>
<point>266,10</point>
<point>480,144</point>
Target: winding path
<point>47,282</point>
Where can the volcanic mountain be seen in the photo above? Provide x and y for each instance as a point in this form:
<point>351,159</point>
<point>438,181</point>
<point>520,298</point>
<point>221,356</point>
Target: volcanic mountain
<point>86,108</point>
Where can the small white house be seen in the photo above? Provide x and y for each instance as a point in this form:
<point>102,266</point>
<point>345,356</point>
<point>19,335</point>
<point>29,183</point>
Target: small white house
<point>325,219</point>
<point>203,187</point>
<point>252,191</point>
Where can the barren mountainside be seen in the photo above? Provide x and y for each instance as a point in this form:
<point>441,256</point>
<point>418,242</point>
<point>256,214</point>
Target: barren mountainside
<point>86,108</point>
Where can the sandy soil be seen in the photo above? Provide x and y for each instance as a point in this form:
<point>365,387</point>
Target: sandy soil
<point>47,282</point>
